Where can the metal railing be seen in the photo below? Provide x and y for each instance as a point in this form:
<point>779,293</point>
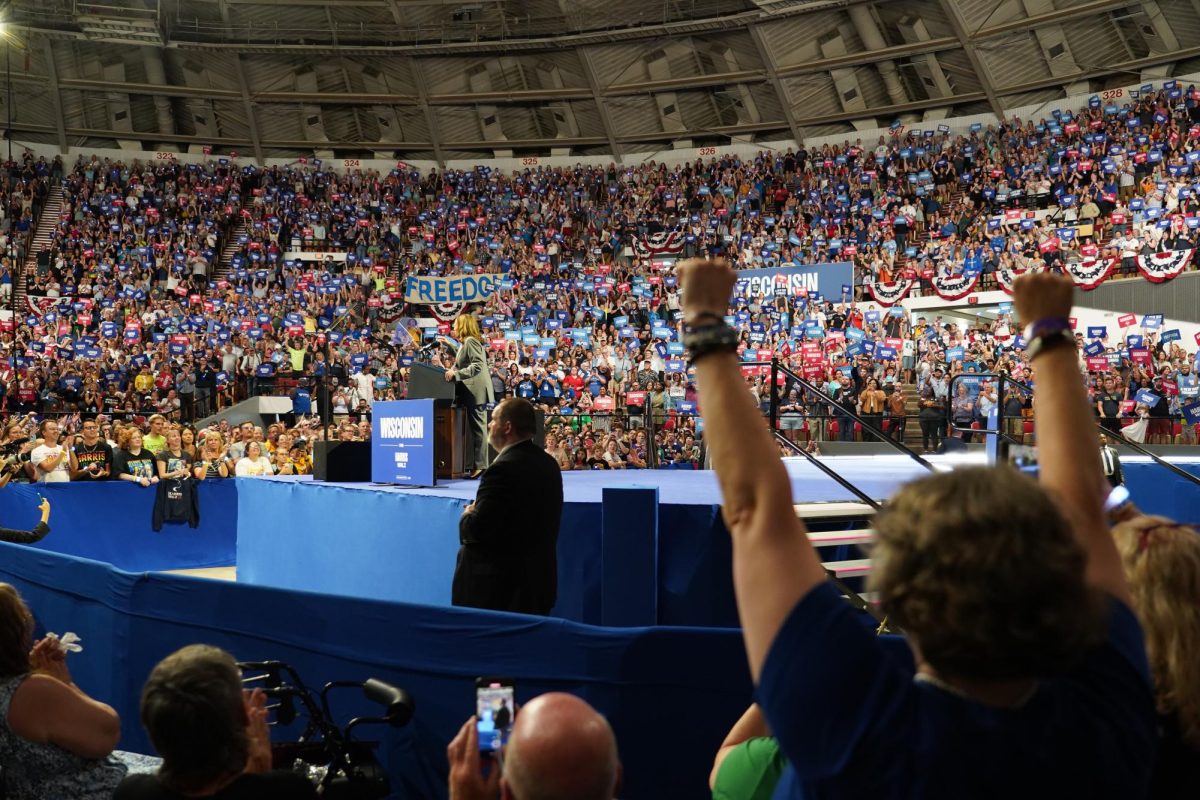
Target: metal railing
<point>778,368</point>
<point>1003,378</point>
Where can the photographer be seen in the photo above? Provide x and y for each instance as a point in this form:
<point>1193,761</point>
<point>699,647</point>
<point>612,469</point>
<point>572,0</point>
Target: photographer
<point>15,449</point>
<point>1029,668</point>
<point>212,735</point>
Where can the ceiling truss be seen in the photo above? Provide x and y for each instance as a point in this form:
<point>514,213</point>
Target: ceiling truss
<point>761,33</point>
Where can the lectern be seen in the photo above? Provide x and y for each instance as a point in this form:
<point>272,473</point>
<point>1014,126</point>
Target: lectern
<point>449,434</point>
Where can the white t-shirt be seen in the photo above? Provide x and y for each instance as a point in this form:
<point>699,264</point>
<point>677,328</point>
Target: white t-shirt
<point>251,467</point>
<point>61,473</point>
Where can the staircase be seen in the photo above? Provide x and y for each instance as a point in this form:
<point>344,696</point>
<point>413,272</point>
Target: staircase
<point>42,234</point>
<point>839,532</point>
<point>232,245</point>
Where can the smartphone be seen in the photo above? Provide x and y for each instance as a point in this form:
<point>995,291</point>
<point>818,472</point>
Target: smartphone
<point>494,712</point>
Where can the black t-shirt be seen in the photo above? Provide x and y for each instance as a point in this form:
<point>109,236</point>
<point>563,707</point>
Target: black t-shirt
<point>277,785</point>
<point>174,463</point>
<point>99,454</point>
<point>1111,403</point>
<point>140,465</point>
<point>597,463</point>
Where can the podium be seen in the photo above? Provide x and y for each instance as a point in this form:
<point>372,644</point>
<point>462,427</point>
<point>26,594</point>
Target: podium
<point>449,426</point>
<point>429,383</point>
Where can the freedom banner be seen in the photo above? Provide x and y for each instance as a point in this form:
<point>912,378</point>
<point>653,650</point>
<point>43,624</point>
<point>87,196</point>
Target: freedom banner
<point>448,296</point>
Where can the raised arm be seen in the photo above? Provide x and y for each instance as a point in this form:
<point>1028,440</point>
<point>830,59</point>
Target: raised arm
<point>774,565</point>
<point>1068,445</point>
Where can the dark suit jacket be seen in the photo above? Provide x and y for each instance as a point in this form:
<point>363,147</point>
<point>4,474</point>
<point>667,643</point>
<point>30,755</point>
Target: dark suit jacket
<point>508,558</point>
<point>1117,477</point>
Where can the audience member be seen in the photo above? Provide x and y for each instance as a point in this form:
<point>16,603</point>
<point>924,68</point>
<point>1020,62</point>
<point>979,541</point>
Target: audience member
<point>212,735</point>
<point>50,459</point>
<point>1007,630</point>
<point>560,749</point>
<point>1162,561</point>
<point>55,741</point>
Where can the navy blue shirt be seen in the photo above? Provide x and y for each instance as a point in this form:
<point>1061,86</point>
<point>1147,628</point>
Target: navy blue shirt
<point>854,723</point>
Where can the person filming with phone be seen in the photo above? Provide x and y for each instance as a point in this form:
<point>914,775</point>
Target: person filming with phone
<point>560,748</point>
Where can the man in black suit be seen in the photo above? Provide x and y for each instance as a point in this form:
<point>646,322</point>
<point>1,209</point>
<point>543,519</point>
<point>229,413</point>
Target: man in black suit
<point>508,559</point>
<point>1111,463</point>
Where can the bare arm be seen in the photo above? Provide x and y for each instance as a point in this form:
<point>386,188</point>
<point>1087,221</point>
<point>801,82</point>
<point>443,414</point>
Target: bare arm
<point>750,725</point>
<point>774,565</point>
<point>1068,445</point>
<point>45,709</point>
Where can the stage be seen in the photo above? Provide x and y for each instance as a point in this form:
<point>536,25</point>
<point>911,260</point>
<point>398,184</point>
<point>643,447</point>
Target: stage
<point>400,543</point>
<point>663,559</point>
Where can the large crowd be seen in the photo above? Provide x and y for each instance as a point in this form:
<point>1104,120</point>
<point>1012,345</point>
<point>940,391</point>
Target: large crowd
<point>130,313</point>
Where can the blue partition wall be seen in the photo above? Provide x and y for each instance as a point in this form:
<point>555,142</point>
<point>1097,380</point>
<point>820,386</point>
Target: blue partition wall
<point>670,693</point>
<point>110,522</point>
<point>398,545</point>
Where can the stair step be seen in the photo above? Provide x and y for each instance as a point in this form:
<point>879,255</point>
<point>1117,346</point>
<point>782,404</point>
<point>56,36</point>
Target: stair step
<point>830,538</point>
<point>832,510</point>
<point>853,568</point>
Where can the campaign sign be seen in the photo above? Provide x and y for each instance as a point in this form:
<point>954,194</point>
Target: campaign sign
<point>1147,398</point>
<point>402,442</point>
<point>792,280</point>
<point>1191,413</point>
<point>455,289</point>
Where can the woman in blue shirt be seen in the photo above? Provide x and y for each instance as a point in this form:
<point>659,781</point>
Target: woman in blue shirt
<point>1029,673</point>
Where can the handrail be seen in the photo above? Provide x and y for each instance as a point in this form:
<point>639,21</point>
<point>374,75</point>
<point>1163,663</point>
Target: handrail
<point>776,368</point>
<point>1132,445</point>
<point>845,484</point>
<point>999,433</point>
<point>856,600</point>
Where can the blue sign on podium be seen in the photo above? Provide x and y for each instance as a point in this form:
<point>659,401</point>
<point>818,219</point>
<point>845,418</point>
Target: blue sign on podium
<point>402,442</point>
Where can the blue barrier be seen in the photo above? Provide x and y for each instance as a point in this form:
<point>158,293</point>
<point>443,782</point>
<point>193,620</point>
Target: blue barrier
<point>110,522</point>
<point>670,693</point>
<point>629,567</point>
<point>396,545</point>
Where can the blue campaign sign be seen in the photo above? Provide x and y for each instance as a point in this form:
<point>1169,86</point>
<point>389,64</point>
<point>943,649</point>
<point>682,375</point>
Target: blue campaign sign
<point>1152,321</point>
<point>1172,335</point>
<point>402,442</point>
<point>792,279</point>
<point>1147,398</point>
<point>954,354</point>
<point>1093,349</point>
<point>1191,413</point>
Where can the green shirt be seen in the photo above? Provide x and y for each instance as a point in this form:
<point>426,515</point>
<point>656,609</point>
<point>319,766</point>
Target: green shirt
<point>154,443</point>
<point>750,771</point>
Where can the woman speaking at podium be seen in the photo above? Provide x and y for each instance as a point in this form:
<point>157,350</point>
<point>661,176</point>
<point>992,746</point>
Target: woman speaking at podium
<point>474,390</point>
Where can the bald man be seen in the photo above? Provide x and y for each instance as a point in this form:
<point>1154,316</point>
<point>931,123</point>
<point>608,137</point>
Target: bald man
<point>560,749</point>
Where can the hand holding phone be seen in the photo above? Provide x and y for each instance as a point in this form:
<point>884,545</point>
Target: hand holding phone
<point>495,708</point>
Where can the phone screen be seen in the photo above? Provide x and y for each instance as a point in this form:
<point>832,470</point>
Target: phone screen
<point>494,711</point>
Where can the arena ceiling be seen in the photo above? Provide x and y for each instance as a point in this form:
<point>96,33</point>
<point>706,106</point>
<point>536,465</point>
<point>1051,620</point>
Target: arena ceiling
<point>444,79</point>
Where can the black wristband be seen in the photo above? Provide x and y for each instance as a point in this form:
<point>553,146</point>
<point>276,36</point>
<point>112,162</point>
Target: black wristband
<point>703,340</point>
<point>1048,341</point>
